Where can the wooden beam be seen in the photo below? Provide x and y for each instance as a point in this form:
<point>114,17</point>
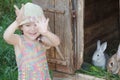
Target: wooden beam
<point>119,20</point>
<point>80,32</point>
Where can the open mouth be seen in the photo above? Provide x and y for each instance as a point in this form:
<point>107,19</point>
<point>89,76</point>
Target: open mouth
<point>32,34</point>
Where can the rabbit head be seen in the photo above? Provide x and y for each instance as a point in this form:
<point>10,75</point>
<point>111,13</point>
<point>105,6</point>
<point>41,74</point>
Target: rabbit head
<point>113,65</point>
<point>98,58</point>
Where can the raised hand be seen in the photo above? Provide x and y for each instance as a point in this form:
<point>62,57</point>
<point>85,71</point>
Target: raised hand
<point>19,14</point>
<point>42,24</point>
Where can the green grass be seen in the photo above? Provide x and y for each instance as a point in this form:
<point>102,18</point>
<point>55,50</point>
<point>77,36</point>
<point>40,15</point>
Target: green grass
<point>97,72</point>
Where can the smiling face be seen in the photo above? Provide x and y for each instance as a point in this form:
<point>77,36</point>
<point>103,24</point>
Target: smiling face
<point>30,31</point>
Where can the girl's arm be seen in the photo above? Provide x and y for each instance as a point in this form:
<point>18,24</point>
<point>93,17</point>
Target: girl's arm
<point>9,35</point>
<point>50,39</point>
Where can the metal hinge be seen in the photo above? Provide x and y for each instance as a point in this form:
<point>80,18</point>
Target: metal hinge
<point>74,13</point>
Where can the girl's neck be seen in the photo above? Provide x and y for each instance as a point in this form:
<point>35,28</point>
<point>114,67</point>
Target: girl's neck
<point>29,40</point>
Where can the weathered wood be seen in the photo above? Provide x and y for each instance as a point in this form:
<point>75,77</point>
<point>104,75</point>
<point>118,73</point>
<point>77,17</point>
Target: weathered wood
<point>86,77</point>
<point>63,30</point>
<point>62,76</point>
<point>58,61</point>
<point>119,20</point>
<point>54,11</point>
<point>80,33</point>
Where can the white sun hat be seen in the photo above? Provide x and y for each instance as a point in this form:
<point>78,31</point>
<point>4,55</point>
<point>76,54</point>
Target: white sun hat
<point>31,10</point>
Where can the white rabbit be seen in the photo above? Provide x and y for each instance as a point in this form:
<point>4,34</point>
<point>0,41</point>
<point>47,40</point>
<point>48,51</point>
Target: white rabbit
<point>113,65</point>
<point>99,57</point>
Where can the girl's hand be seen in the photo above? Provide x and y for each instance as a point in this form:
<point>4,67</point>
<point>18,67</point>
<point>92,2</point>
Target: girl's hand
<point>42,24</point>
<point>19,14</point>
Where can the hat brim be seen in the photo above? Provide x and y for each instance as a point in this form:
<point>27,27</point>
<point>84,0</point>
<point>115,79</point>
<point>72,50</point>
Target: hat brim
<point>24,22</point>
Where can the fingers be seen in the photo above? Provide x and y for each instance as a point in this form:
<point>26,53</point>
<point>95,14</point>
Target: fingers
<point>22,8</point>
<point>22,5</point>
<point>16,8</point>
<point>47,23</point>
<point>19,13</point>
<point>47,20</point>
<point>44,19</point>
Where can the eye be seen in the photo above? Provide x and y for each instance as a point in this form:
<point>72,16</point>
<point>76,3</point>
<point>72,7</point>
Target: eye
<point>111,64</point>
<point>35,25</point>
<point>98,55</point>
<point>27,25</point>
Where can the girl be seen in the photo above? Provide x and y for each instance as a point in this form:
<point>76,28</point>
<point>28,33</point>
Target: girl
<point>30,47</point>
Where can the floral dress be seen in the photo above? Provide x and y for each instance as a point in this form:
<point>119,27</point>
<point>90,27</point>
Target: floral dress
<point>32,62</point>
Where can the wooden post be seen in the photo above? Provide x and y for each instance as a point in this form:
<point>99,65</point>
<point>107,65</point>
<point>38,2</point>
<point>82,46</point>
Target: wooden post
<point>119,20</point>
<point>80,32</point>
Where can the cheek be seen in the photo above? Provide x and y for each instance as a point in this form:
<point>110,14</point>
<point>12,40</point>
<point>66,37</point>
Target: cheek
<point>36,27</point>
<point>26,28</point>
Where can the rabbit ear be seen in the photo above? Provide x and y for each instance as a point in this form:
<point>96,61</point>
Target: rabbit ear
<point>118,53</point>
<point>98,44</point>
<point>103,46</point>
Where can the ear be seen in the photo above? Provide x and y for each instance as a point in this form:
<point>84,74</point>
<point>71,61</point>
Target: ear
<point>21,27</point>
<point>98,44</point>
<point>118,53</point>
<point>103,46</point>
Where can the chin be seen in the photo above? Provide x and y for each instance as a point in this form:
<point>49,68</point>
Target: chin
<point>33,38</point>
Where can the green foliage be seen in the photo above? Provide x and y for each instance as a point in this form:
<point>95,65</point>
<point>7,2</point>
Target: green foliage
<point>6,6</point>
<point>98,72</point>
<point>51,74</point>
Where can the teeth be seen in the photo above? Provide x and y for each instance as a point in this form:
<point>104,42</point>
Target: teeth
<point>32,33</point>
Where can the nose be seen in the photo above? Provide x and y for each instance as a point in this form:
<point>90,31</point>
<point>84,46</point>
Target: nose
<point>33,28</point>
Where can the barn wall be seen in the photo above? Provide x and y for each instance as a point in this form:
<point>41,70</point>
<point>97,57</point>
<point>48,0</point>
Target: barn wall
<point>100,22</point>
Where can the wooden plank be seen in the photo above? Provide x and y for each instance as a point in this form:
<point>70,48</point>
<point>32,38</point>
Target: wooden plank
<point>57,61</point>
<point>62,76</point>
<point>53,10</point>
<point>86,77</point>
<point>87,3</point>
<point>52,66</point>
<point>78,76</point>
<point>80,33</point>
<point>119,20</point>
<point>44,3</point>
<point>63,30</point>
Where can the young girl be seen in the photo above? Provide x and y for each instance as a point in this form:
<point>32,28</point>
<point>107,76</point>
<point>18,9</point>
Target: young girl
<point>30,47</point>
